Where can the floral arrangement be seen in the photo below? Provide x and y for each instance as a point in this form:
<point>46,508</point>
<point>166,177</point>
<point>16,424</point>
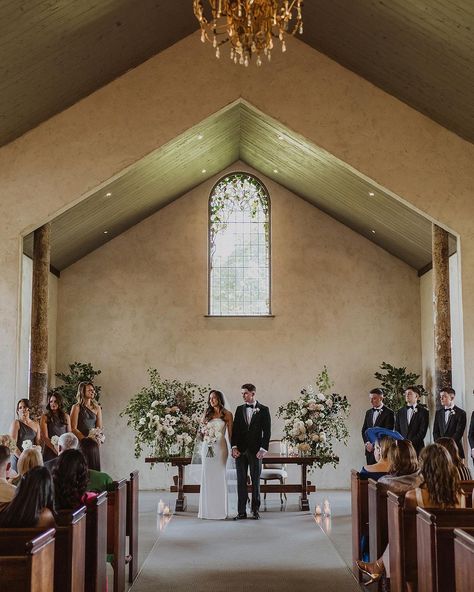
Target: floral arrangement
<point>9,442</point>
<point>26,444</point>
<point>209,434</point>
<point>316,419</point>
<point>55,442</point>
<point>97,434</point>
<point>166,416</point>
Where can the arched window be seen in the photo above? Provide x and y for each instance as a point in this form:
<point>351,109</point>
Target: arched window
<point>239,247</point>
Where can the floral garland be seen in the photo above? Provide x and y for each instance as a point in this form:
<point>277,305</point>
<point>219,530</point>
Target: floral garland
<point>166,416</point>
<point>315,420</point>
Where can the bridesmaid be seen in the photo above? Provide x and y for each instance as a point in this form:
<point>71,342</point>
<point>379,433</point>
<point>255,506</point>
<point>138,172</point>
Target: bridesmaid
<point>86,413</point>
<point>54,422</point>
<point>23,428</point>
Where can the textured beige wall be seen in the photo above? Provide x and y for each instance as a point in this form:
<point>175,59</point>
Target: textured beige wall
<point>57,164</point>
<point>140,301</point>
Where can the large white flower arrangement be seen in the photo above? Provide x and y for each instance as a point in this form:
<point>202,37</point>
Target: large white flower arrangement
<point>316,419</point>
<point>166,416</point>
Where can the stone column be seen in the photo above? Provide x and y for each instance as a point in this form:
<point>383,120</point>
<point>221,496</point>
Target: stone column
<point>441,309</point>
<point>39,320</point>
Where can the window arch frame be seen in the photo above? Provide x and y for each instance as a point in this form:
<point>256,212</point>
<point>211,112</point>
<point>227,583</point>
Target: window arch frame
<point>269,245</point>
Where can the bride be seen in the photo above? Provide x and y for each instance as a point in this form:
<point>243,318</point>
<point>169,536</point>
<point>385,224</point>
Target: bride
<point>214,451</point>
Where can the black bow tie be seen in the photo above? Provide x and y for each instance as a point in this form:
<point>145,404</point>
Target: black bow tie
<point>249,406</point>
<point>410,407</point>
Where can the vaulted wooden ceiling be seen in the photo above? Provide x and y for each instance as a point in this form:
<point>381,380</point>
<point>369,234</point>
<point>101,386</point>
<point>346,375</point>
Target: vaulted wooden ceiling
<point>53,53</point>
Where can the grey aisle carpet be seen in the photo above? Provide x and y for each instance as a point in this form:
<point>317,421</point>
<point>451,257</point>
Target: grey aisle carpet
<point>282,551</point>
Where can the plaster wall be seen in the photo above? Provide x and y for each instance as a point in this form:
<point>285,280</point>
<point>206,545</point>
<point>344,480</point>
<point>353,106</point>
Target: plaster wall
<point>146,300</point>
<point>57,164</point>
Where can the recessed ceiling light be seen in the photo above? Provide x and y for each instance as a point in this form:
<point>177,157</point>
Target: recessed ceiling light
<point>200,136</point>
<point>275,170</point>
<point>203,171</point>
<point>106,232</point>
<point>108,194</point>
<point>372,231</point>
<point>371,193</point>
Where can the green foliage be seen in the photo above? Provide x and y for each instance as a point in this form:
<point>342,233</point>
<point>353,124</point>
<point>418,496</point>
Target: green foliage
<point>394,382</point>
<point>316,420</point>
<point>78,372</point>
<point>166,415</point>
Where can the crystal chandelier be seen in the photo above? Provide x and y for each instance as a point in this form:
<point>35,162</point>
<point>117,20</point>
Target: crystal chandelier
<point>250,26</point>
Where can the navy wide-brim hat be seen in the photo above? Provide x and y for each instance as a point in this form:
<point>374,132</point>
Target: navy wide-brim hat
<point>376,433</point>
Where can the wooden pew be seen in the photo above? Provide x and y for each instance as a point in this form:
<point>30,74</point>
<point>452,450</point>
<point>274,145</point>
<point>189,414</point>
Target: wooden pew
<point>116,530</point>
<point>378,521</point>
<point>96,544</point>
<point>132,525</point>
<point>464,559</point>
<point>435,544</point>
<point>359,507</point>
<point>27,559</point>
<point>468,489</point>
<point>70,554</point>
<point>402,537</point>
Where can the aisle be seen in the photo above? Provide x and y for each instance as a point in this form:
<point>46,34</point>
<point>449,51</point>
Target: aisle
<point>282,551</point>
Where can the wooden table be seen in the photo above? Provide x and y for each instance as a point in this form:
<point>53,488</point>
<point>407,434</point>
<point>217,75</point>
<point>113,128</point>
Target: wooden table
<point>304,487</point>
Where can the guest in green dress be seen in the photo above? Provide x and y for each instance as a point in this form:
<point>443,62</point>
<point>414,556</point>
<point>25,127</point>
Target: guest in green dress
<point>98,480</point>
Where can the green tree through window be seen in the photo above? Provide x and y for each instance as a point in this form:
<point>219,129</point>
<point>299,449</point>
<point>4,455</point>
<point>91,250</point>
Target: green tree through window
<point>239,247</point>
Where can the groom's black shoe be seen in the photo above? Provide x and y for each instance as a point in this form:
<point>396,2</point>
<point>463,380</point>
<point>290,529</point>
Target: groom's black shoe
<point>256,515</point>
<point>240,517</point>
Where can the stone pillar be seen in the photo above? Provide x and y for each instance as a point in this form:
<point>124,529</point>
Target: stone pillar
<point>441,309</point>
<point>39,320</point>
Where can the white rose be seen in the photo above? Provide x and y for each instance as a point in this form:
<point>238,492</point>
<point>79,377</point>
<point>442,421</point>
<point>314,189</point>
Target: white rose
<point>304,411</point>
<point>329,403</point>
<point>309,422</point>
<point>142,421</point>
<point>322,437</point>
<point>302,437</point>
<point>170,431</point>
<point>154,404</point>
<point>321,397</point>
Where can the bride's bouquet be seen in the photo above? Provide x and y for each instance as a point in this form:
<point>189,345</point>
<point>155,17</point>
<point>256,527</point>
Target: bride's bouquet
<point>210,434</point>
<point>97,434</point>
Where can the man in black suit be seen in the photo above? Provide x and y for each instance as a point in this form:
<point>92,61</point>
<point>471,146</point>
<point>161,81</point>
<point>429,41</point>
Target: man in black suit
<point>250,441</point>
<point>450,420</point>
<point>377,416</point>
<point>412,420</point>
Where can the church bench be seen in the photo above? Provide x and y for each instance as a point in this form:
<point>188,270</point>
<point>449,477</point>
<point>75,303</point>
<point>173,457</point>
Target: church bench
<point>96,544</point>
<point>402,539</point>
<point>359,511</point>
<point>116,530</point>
<point>132,525</point>
<point>70,550</point>
<point>435,546</point>
<point>27,559</point>
<point>378,521</point>
<point>464,559</point>
<point>468,491</point>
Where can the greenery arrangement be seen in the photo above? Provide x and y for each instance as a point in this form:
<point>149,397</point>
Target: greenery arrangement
<point>78,372</point>
<point>316,420</point>
<point>166,415</point>
<point>394,382</point>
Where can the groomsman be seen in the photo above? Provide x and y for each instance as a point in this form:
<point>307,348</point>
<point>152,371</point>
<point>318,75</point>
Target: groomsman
<point>450,420</point>
<point>377,416</point>
<point>412,419</point>
<point>471,435</point>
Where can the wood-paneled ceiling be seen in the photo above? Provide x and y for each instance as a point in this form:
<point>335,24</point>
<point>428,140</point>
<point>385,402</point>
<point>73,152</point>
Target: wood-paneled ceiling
<point>53,53</point>
<point>240,132</point>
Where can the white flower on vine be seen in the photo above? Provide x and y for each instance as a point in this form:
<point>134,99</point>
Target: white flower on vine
<point>155,403</point>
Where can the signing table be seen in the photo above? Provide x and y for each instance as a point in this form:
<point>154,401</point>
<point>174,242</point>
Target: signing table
<point>304,488</point>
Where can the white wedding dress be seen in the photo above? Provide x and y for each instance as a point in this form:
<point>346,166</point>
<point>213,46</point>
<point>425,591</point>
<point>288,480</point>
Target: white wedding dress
<point>213,497</point>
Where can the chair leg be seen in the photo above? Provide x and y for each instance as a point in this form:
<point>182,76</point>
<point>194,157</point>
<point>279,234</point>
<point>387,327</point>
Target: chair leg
<point>284,493</point>
<point>281,494</point>
<point>265,494</point>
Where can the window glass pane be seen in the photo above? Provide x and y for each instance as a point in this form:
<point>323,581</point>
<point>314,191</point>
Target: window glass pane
<point>239,247</point>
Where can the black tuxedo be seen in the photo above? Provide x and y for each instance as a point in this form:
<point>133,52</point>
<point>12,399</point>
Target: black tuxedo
<point>386,419</point>
<point>453,429</point>
<point>249,438</point>
<point>416,430</point>
<point>471,432</point>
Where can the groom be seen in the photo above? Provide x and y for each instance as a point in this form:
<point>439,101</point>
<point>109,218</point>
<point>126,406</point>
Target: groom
<point>250,440</point>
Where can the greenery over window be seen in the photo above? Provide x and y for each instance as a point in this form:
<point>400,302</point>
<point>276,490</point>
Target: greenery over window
<point>239,247</point>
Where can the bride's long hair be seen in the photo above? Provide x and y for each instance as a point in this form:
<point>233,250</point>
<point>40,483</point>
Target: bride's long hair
<point>210,409</point>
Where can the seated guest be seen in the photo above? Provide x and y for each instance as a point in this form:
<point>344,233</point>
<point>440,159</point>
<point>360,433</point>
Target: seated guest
<point>67,441</point>
<point>382,439</point>
<point>450,445</point>
<point>33,504</point>
<point>7,491</point>
<point>29,458</point>
<point>98,480</point>
<point>440,489</point>
<point>54,422</point>
<point>403,473</point>
<point>70,480</point>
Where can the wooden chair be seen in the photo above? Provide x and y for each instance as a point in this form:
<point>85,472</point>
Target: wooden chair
<point>116,530</point>
<point>464,559</point>
<point>274,471</point>
<point>435,546</point>
<point>360,515</point>
<point>27,559</point>
<point>132,525</point>
<point>96,544</point>
<point>70,552</point>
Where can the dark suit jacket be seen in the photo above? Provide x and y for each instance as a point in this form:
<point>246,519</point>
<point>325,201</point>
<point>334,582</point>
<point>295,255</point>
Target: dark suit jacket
<point>454,428</point>
<point>386,419</point>
<point>254,436</point>
<point>471,432</point>
<point>416,431</point>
